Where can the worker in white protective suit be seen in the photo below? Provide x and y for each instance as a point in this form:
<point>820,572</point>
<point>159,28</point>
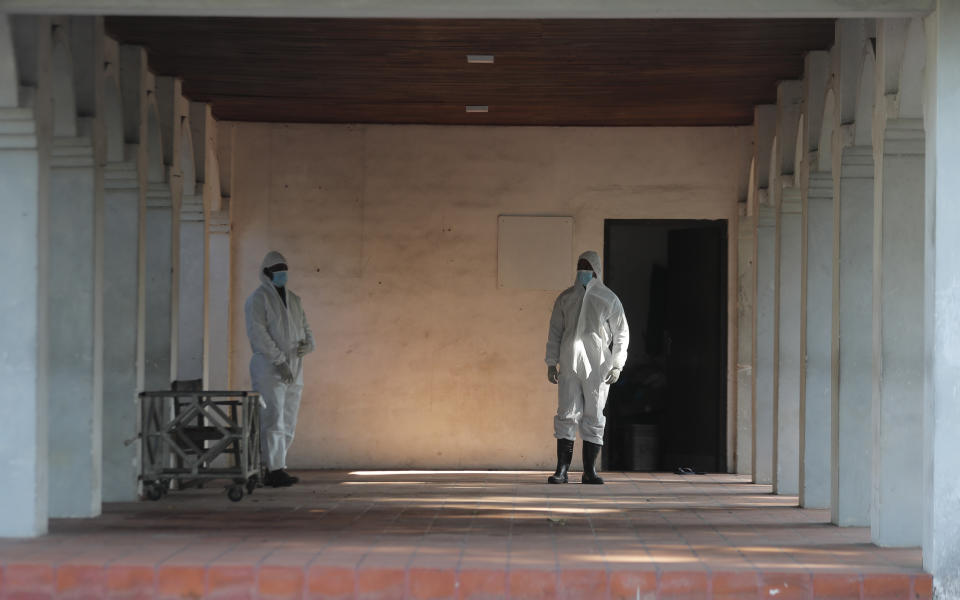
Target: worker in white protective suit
<point>586,350</point>
<point>280,338</point>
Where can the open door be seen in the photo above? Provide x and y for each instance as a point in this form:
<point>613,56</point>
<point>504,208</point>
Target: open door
<point>695,424</point>
<point>669,408</point>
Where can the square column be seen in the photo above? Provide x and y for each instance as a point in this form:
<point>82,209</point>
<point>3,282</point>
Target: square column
<point>941,441</point>
<point>745,296</point>
<point>190,289</point>
<point>23,400</point>
<point>897,506</point>
<point>159,287</point>
<point>853,340</point>
<point>815,409</point>
<point>787,403</point>
<point>75,423</point>
<point>120,303</point>
<point>217,340</point>
<point>763,415</point>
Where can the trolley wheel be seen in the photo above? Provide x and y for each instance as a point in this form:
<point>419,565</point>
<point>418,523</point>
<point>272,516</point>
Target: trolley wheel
<point>154,492</point>
<point>252,484</point>
<point>235,493</point>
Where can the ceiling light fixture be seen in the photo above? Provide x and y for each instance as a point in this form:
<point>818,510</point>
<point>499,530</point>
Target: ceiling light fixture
<point>481,59</point>
<point>478,109</point>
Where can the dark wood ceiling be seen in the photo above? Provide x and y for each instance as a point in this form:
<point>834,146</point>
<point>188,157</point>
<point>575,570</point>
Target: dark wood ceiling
<point>546,72</point>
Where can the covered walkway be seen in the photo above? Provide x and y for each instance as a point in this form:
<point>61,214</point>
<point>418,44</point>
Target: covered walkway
<point>151,153</point>
<point>408,534</point>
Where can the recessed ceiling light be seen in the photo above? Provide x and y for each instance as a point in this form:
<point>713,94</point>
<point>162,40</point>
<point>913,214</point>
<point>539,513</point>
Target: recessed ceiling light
<point>478,109</point>
<point>486,59</point>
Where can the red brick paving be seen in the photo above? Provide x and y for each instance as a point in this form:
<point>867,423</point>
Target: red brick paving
<point>464,536</point>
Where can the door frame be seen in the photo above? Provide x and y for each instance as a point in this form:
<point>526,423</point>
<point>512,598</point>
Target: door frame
<point>725,439</point>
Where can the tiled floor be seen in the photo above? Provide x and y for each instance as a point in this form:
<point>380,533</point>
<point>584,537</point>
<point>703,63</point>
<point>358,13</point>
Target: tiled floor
<point>463,535</point>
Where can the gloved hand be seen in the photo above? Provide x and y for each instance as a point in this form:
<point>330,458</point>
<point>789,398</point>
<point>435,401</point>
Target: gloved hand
<point>261,402</point>
<point>286,375</point>
<point>303,348</point>
<point>612,376</point>
<point>553,376</point>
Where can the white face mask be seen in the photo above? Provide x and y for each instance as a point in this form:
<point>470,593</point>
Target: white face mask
<point>584,277</point>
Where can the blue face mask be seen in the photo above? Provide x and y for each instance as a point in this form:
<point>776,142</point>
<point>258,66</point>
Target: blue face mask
<point>584,277</point>
<point>280,278</point>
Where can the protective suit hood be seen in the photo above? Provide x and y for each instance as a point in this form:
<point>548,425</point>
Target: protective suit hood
<point>594,259</point>
<point>272,258</point>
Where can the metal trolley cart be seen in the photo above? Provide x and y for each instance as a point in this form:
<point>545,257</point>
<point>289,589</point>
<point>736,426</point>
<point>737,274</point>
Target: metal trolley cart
<point>191,437</point>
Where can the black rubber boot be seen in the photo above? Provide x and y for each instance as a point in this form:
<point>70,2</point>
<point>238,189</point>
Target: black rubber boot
<point>590,453</point>
<point>278,478</point>
<point>564,458</point>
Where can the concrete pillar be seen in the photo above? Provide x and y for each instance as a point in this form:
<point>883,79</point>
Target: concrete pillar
<point>852,335</point>
<point>745,295</point>
<point>896,516</point>
<point>75,410</point>
<point>217,363</point>
<point>23,430</point>
<point>787,406</point>
<point>159,290</point>
<point>191,289</point>
<point>763,417</point>
<point>121,262</point>
<point>941,468</point>
<point>815,403</point>
<point>23,206</point>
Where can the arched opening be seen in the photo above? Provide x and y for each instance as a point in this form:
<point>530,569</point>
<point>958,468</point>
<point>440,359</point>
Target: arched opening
<point>9,81</point>
<point>912,72</point>
<point>156,171</point>
<point>64,96</point>
<point>113,119</point>
<point>187,166</point>
<point>825,146</point>
<point>774,167</point>
<point>799,153</point>
<point>863,117</point>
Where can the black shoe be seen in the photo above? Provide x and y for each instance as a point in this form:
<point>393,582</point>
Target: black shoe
<point>590,453</point>
<point>293,478</point>
<point>564,458</point>
<point>279,478</point>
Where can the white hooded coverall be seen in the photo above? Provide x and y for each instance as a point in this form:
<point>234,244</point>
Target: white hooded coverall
<point>585,324</point>
<point>275,330</point>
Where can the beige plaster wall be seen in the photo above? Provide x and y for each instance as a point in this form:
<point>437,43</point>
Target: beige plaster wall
<point>391,236</point>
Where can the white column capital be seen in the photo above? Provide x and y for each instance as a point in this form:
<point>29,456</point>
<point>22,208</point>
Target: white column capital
<point>820,186</point>
<point>857,162</point>
<point>18,129</point>
<point>121,176</point>
<point>191,208</point>
<point>72,153</point>
<point>218,222</point>
<point>904,137</point>
<point>159,196</point>
<point>791,201</point>
<point>767,216</point>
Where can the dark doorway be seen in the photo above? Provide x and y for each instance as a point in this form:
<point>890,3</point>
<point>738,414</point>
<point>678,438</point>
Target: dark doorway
<point>668,410</point>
